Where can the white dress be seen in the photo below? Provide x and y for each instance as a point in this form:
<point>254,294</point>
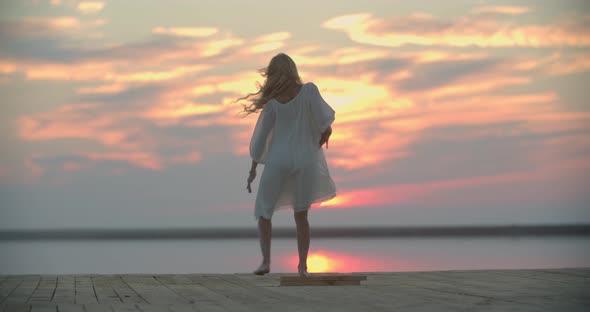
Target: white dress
<point>286,140</point>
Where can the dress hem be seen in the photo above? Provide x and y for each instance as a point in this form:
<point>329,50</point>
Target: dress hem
<point>285,206</point>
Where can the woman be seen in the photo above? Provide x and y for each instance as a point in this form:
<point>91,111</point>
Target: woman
<point>293,124</point>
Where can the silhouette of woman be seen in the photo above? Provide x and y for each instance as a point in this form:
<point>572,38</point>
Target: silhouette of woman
<point>293,125</point>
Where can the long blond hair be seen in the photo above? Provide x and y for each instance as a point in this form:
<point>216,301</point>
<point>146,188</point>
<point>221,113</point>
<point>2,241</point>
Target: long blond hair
<point>279,75</point>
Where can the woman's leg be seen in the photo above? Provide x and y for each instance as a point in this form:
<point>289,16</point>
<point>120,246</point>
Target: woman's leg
<point>302,238</point>
<point>268,193</point>
<point>264,233</point>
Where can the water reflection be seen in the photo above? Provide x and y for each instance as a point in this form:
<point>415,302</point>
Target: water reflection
<point>323,261</point>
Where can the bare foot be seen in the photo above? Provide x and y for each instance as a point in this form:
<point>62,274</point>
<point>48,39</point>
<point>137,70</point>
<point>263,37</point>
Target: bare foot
<point>262,269</point>
<point>303,271</point>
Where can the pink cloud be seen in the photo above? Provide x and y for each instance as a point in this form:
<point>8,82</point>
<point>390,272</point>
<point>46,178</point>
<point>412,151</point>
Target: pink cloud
<point>405,193</point>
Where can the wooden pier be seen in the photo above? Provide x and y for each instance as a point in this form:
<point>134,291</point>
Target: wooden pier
<point>474,290</point>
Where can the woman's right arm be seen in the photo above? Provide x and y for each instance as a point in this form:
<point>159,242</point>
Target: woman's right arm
<point>323,114</point>
<point>326,136</point>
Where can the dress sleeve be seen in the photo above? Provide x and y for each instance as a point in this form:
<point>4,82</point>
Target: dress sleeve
<point>322,113</point>
<point>262,136</point>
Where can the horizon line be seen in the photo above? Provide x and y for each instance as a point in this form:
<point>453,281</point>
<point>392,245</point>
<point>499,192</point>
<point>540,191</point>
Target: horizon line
<point>290,232</point>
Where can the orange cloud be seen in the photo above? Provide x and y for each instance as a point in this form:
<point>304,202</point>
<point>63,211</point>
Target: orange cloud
<point>178,109</point>
<point>425,29</point>
<point>65,72</point>
<point>7,67</point>
<point>77,121</point>
<point>90,7</point>
<point>216,47</point>
<point>156,75</point>
<point>504,10</point>
<point>269,42</point>
<point>104,89</point>
<point>568,64</point>
<point>100,71</point>
<point>50,23</point>
<point>309,55</point>
<point>192,32</point>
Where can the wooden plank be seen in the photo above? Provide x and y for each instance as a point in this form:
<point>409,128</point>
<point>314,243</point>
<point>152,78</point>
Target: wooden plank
<point>208,293</point>
<point>324,277</point>
<point>84,289</point>
<point>15,307</point>
<point>183,308</point>
<point>318,283</point>
<point>124,307</point>
<point>45,290</point>
<point>168,307</point>
<point>65,290</point>
<point>235,290</point>
<point>203,297</point>
<point>97,307</point>
<point>70,307</point>
<point>151,290</point>
<point>124,291</point>
<point>8,285</point>
<point>103,286</point>
<point>43,307</point>
<point>24,291</point>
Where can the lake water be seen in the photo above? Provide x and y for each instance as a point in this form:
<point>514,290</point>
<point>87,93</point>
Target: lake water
<point>326,255</point>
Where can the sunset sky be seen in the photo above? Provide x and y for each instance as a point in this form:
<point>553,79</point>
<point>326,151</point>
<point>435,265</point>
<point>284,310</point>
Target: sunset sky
<point>122,113</point>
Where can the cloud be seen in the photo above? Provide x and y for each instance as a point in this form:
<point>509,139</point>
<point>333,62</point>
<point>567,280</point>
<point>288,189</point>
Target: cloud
<point>269,42</point>
<point>388,103</point>
<point>390,195</point>
<point>134,125</point>
<point>445,72</point>
<point>501,10</point>
<point>471,30</point>
<point>90,7</point>
<point>380,112</point>
<point>38,26</point>
<point>166,101</point>
<point>191,32</point>
<point>568,63</point>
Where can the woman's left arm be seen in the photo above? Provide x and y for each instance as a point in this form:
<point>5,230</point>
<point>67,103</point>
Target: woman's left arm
<point>251,176</point>
<point>260,142</point>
